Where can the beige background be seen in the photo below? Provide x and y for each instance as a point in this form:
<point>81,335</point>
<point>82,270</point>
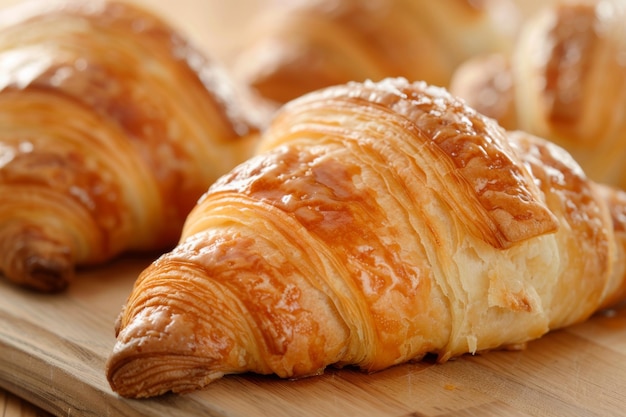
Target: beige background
<point>214,25</point>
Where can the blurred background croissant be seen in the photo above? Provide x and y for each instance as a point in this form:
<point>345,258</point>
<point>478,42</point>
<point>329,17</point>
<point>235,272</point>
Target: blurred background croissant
<point>307,45</point>
<point>564,80</point>
<point>556,69</point>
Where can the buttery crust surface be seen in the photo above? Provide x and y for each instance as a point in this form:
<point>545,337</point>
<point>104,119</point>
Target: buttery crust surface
<point>378,223</point>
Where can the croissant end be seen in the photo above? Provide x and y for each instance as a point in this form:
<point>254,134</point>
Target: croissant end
<point>138,377</point>
<point>155,362</point>
<point>175,346</point>
<point>36,261</point>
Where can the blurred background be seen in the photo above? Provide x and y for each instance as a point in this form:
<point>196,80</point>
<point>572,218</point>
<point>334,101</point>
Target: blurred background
<point>220,26</point>
<point>214,25</point>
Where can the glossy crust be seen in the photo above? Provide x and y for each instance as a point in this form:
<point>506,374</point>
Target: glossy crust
<point>568,84</point>
<point>380,222</point>
<point>303,46</point>
<point>111,127</point>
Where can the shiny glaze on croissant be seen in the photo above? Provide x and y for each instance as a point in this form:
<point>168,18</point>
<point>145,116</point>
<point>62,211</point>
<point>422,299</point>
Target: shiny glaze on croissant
<point>565,81</point>
<point>303,46</point>
<point>111,127</point>
<point>380,222</point>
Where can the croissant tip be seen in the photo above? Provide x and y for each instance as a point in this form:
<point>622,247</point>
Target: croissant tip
<point>47,275</point>
<point>42,272</point>
<point>161,350</point>
<point>151,375</point>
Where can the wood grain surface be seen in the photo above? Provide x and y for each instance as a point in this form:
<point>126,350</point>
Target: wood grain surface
<point>14,406</point>
<point>54,349</point>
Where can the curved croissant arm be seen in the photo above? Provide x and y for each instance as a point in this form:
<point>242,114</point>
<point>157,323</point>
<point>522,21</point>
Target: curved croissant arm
<point>565,81</point>
<point>310,45</point>
<point>111,127</point>
<point>380,222</point>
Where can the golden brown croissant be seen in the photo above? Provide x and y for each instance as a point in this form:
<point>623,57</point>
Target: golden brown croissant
<point>315,44</point>
<point>566,82</point>
<point>111,127</point>
<point>380,222</point>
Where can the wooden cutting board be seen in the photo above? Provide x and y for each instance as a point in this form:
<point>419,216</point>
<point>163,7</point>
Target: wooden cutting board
<point>53,349</point>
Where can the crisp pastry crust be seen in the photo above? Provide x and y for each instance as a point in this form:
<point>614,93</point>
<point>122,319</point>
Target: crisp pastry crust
<point>378,223</point>
<point>472,150</point>
<point>111,127</point>
<point>302,47</point>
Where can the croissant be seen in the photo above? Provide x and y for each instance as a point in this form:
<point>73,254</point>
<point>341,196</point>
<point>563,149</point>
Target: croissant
<point>111,127</point>
<point>565,81</point>
<point>305,46</point>
<point>378,223</point>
